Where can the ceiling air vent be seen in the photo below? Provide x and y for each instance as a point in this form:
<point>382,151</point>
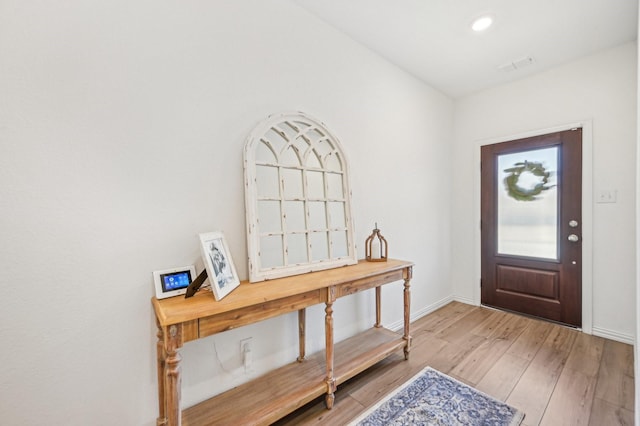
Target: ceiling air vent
<point>516,65</point>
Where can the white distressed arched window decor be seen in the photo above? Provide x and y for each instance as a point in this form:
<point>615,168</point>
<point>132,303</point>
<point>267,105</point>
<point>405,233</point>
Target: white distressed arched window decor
<point>297,198</point>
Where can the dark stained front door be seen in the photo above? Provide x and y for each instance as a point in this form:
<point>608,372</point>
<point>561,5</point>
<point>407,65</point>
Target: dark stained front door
<point>531,226</point>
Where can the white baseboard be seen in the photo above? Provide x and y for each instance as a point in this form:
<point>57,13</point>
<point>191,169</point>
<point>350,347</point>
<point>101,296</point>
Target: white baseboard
<point>613,335</point>
<point>596,331</point>
<point>465,300</point>
<point>398,325</point>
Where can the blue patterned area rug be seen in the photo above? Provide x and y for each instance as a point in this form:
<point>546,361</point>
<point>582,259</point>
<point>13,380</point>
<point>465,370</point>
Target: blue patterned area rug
<point>433,398</point>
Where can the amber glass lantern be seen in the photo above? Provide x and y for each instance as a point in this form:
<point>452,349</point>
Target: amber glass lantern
<point>375,247</point>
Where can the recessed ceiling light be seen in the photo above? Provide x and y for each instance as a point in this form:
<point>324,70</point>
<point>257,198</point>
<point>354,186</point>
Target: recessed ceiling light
<point>482,23</point>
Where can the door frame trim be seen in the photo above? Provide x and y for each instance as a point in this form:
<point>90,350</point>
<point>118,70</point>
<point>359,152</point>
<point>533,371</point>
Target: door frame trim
<point>587,211</point>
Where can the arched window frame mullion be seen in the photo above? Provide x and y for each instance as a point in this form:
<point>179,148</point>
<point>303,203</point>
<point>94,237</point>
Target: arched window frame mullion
<point>302,127</point>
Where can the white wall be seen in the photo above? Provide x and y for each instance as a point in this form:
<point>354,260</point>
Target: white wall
<point>600,88</point>
<point>121,133</point>
<point>636,350</point>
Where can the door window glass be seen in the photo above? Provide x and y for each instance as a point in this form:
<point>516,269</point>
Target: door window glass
<point>528,203</point>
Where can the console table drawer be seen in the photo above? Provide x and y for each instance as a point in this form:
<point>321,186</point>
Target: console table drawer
<point>239,317</point>
<point>367,283</point>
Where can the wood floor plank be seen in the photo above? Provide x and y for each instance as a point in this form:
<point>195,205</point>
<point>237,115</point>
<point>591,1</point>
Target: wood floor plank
<point>458,332</point>
<point>486,327</point>
<point>605,413</point>
<point>474,366</point>
<point>586,354</point>
<point>510,327</point>
<point>503,376</point>
<point>441,354</point>
<point>615,378</point>
<point>344,410</point>
<point>501,331</point>
<point>450,355</point>
<point>529,342</point>
<point>534,389</point>
<point>572,398</point>
<point>440,319</point>
<point>571,401</point>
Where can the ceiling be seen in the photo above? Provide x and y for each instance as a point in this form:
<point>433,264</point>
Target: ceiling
<point>433,40</point>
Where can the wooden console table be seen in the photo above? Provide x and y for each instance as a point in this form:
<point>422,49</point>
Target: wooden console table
<point>279,392</point>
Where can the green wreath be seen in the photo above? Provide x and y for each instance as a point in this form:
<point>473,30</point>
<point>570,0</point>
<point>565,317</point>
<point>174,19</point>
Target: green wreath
<point>518,193</point>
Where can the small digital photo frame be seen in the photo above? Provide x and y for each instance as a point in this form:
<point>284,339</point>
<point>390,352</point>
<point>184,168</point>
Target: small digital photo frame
<point>173,282</point>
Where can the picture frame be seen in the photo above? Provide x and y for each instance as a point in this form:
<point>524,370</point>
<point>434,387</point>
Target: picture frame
<point>218,263</point>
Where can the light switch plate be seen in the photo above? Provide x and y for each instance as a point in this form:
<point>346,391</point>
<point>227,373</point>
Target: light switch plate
<point>607,196</point>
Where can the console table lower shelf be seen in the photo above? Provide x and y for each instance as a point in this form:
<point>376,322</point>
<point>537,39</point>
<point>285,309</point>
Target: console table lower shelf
<point>268,398</point>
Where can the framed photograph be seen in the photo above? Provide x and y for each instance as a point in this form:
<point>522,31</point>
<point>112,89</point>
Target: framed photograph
<point>217,260</point>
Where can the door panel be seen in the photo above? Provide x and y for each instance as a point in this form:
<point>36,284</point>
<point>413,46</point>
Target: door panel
<point>531,204</point>
<point>534,282</point>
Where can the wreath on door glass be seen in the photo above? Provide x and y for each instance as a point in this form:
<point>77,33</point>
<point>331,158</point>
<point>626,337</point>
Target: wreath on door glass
<point>523,194</point>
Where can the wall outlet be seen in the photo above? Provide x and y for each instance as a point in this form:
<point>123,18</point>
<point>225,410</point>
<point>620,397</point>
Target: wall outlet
<point>244,345</point>
<point>245,354</point>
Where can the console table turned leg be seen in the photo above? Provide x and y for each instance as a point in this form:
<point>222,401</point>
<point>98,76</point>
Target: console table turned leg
<point>378,307</point>
<point>301,333</point>
<point>162,416</point>
<point>328,325</point>
<point>173,342</point>
<point>407,310</point>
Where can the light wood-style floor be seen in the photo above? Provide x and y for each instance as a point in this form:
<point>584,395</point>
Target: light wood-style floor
<point>556,375</point>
